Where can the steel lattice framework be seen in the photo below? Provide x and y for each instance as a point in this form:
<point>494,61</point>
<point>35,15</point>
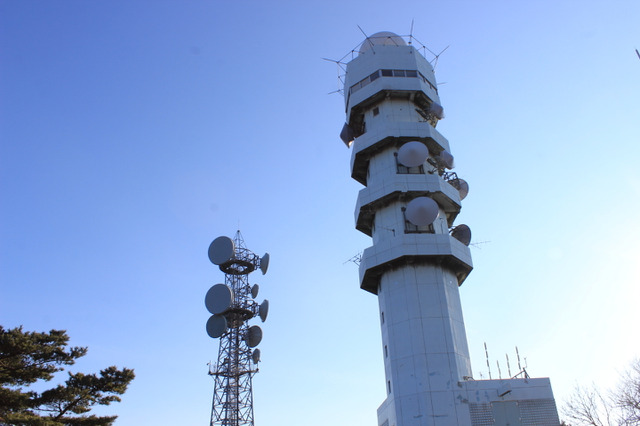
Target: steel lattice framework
<point>233,395</point>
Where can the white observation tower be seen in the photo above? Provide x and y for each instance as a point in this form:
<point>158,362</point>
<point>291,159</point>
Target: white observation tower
<point>420,256</point>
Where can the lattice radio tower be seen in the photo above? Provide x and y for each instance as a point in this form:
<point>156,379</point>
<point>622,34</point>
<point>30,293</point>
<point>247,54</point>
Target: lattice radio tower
<point>232,305</point>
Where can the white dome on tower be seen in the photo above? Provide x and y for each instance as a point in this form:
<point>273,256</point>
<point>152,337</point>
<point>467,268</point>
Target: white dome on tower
<point>383,38</point>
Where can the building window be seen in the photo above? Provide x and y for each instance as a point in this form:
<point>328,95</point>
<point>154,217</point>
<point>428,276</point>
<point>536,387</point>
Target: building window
<point>410,228</point>
<point>382,317</point>
<point>428,82</point>
<point>376,111</point>
<point>389,386</point>
<point>386,352</point>
<point>389,73</point>
<point>404,170</point>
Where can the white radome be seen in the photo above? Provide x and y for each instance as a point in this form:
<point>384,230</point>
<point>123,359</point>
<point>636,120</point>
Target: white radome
<point>422,211</point>
<point>413,154</point>
<point>383,38</point>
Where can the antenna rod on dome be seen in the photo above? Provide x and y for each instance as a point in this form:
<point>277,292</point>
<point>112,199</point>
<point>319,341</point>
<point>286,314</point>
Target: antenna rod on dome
<point>367,39</point>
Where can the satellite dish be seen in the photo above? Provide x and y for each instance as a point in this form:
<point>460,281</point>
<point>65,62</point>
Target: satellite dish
<point>253,336</point>
<point>347,135</point>
<point>422,211</point>
<point>221,250</point>
<point>445,159</point>
<point>218,299</point>
<point>462,186</point>
<point>216,326</point>
<point>264,263</point>
<point>254,290</point>
<point>462,233</point>
<point>255,356</point>
<point>437,110</point>
<point>413,154</point>
<point>263,310</point>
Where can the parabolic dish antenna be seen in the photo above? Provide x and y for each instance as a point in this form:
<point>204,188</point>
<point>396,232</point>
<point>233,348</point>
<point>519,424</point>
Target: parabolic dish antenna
<point>445,159</point>
<point>255,356</point>
<point>263,310</point>
<point>462,186</point>
<point>218,299</point>
<point>254,290</point>
<point>422,211</point>
<point>221,250</point>
<point>264,263</point>
<point>216,326</point>
<point>462,233</point>
<point>437,110</point>
<point>254,336</point>
<point>413,154</point>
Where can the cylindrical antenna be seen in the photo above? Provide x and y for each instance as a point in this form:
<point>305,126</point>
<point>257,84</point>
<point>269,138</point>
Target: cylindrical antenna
<point>486,352</point>
<point>508,365</point>
<point>499,371</point>
<point>518,355</point>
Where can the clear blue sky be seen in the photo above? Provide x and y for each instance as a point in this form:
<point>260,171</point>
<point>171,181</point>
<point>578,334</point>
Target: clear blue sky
<point>132,133</point>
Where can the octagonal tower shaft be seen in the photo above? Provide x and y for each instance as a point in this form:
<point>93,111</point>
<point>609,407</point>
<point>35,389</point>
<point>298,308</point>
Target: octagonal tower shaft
<point>392,98</point>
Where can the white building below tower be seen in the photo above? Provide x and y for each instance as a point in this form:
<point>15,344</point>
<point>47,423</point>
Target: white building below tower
<point>419,258</point>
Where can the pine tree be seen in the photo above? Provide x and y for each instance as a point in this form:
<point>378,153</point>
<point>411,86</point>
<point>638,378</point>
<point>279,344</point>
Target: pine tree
<point>27,357</point>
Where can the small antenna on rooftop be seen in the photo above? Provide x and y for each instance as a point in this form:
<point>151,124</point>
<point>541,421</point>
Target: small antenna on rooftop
<point>518,355</point>
<point>355,259</point>
<point>486,352</point>
<point>508,365</point>
<point>411,33</point>
<point>336,61</point>
<point>499,371</point>
<point>638,53</point>
<point>477,244</point>
<point>340,65</point>
<point>437,57</point>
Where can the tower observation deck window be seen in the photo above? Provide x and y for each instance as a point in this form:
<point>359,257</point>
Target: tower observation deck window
<point>390,73</point>
<point>410,228</point>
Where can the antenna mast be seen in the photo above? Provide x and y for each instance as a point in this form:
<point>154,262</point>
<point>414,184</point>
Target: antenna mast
<point>232,306</point>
